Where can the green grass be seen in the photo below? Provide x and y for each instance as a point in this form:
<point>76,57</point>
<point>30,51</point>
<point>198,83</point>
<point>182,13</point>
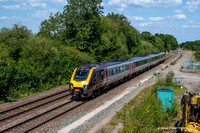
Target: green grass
<point>144,113</point>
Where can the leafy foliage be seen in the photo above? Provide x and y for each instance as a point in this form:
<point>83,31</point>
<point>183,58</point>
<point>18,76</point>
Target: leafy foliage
<point>169,77</point>
<point>144,114</point>
<point>194,46</point>
<point>14,39</point>
<point>197,55</point>
<point>191,45</point>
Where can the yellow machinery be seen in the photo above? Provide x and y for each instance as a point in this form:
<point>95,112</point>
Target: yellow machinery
<point>190,113</point>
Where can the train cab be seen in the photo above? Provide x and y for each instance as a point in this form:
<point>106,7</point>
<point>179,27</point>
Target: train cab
<point>85,79</point>
<point>80,79</point>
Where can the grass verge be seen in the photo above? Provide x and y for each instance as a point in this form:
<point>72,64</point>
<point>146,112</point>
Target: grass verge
<point>145,114</point>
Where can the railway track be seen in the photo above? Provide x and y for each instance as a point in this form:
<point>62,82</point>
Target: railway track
<point>12,119</point>
<point>40,119</point>
<point>31,105</point>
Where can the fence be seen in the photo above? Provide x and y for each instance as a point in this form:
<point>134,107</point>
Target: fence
<point>176,80</point>
<point>191,66</point>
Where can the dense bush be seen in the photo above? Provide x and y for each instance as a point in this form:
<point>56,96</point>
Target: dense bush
<point>44,64</point>
<point>146,115</point>
<point>197,55</point>
<point>14,38</point>
<point>169,78</point>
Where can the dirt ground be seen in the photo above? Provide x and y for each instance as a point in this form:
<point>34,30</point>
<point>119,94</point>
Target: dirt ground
<point>190,80</point>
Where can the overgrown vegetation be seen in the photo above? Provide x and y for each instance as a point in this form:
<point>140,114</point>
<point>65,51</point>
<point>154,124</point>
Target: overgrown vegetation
<point>145,113</point>
<point>79,35</point>
<point>193,46</point>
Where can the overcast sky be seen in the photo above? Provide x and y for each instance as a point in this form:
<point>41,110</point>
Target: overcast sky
<point>180,18</point>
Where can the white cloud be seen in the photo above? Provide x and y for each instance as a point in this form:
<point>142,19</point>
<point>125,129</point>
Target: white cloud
<point>15,7</point>
<point>32,1</point>
<point>62,2</point>
<point>137,18</point>
<point>4,17</point>
<point>191,6</point>
<point>179,16</point>
<point>9,18</point>
<point>121,7</point>
<point>146,3</point>
<point>43,14</point>
<point>10,7</point>
<point>38,4</point>
<point>156,18</point>
<point>3,0</point>
<point>178,11</point>
<point>190,26</point>
<point>145,24</point>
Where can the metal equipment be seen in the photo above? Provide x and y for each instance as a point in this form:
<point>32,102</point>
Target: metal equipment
<point>190,113</point>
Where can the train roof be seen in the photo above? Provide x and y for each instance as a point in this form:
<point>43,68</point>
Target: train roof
<point>119,61</point>
<point>139,58</point>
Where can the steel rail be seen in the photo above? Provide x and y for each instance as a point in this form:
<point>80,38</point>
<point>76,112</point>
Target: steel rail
<point>33,101</point>
<point>18,124</point>
<point>33,108</point>
<point>30,129</point>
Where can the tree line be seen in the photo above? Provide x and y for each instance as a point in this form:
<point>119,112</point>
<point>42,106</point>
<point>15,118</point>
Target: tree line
<point>81,34</point>
<point>193,46</point>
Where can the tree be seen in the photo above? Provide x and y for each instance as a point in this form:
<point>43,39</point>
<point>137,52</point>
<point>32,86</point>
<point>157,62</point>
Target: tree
<point>14,38</point>
<point>82,20</point>
<point>170,42</point>
<point>130,33</point>
<point>53,27</point>
<point>4,55</point>
<point>40,52</point>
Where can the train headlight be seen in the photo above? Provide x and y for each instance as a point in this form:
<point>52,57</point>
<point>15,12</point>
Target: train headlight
<point>70,86</point>
<point>85,86</point>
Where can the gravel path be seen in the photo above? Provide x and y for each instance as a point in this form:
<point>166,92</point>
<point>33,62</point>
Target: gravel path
<point>191,80</point>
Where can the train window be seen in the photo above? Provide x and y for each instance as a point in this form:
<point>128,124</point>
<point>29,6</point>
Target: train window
<point>136,63</point>
<point>114,71</point>
<point>124,68</point>
<point>120,70</point>
<point>110,72</point>
<point>117,70</point>
<point>127,67</point>
<point>102,72</point>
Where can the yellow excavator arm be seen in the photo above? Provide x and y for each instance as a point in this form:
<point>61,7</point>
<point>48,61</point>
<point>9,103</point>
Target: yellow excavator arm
<point>190,113</point>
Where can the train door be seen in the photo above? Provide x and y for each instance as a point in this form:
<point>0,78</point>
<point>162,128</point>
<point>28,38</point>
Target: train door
<point>149,59</point>
<point>101,77</point>
<point>133,67</point>
<point>93,81</point>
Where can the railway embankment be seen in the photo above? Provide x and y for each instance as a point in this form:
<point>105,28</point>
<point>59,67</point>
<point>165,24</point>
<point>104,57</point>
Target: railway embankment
<point>144,112</point>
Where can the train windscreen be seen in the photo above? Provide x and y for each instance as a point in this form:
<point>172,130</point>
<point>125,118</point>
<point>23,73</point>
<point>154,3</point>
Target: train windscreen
<point>81,74</point>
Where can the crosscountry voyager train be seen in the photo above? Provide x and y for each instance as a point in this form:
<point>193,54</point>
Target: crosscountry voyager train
<point>90,79</point>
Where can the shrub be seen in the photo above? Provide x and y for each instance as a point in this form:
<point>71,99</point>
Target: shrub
<point>169,78</point>
<point>146,116</point>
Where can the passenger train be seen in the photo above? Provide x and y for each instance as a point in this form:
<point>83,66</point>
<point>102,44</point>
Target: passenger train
<point>90,79</point>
